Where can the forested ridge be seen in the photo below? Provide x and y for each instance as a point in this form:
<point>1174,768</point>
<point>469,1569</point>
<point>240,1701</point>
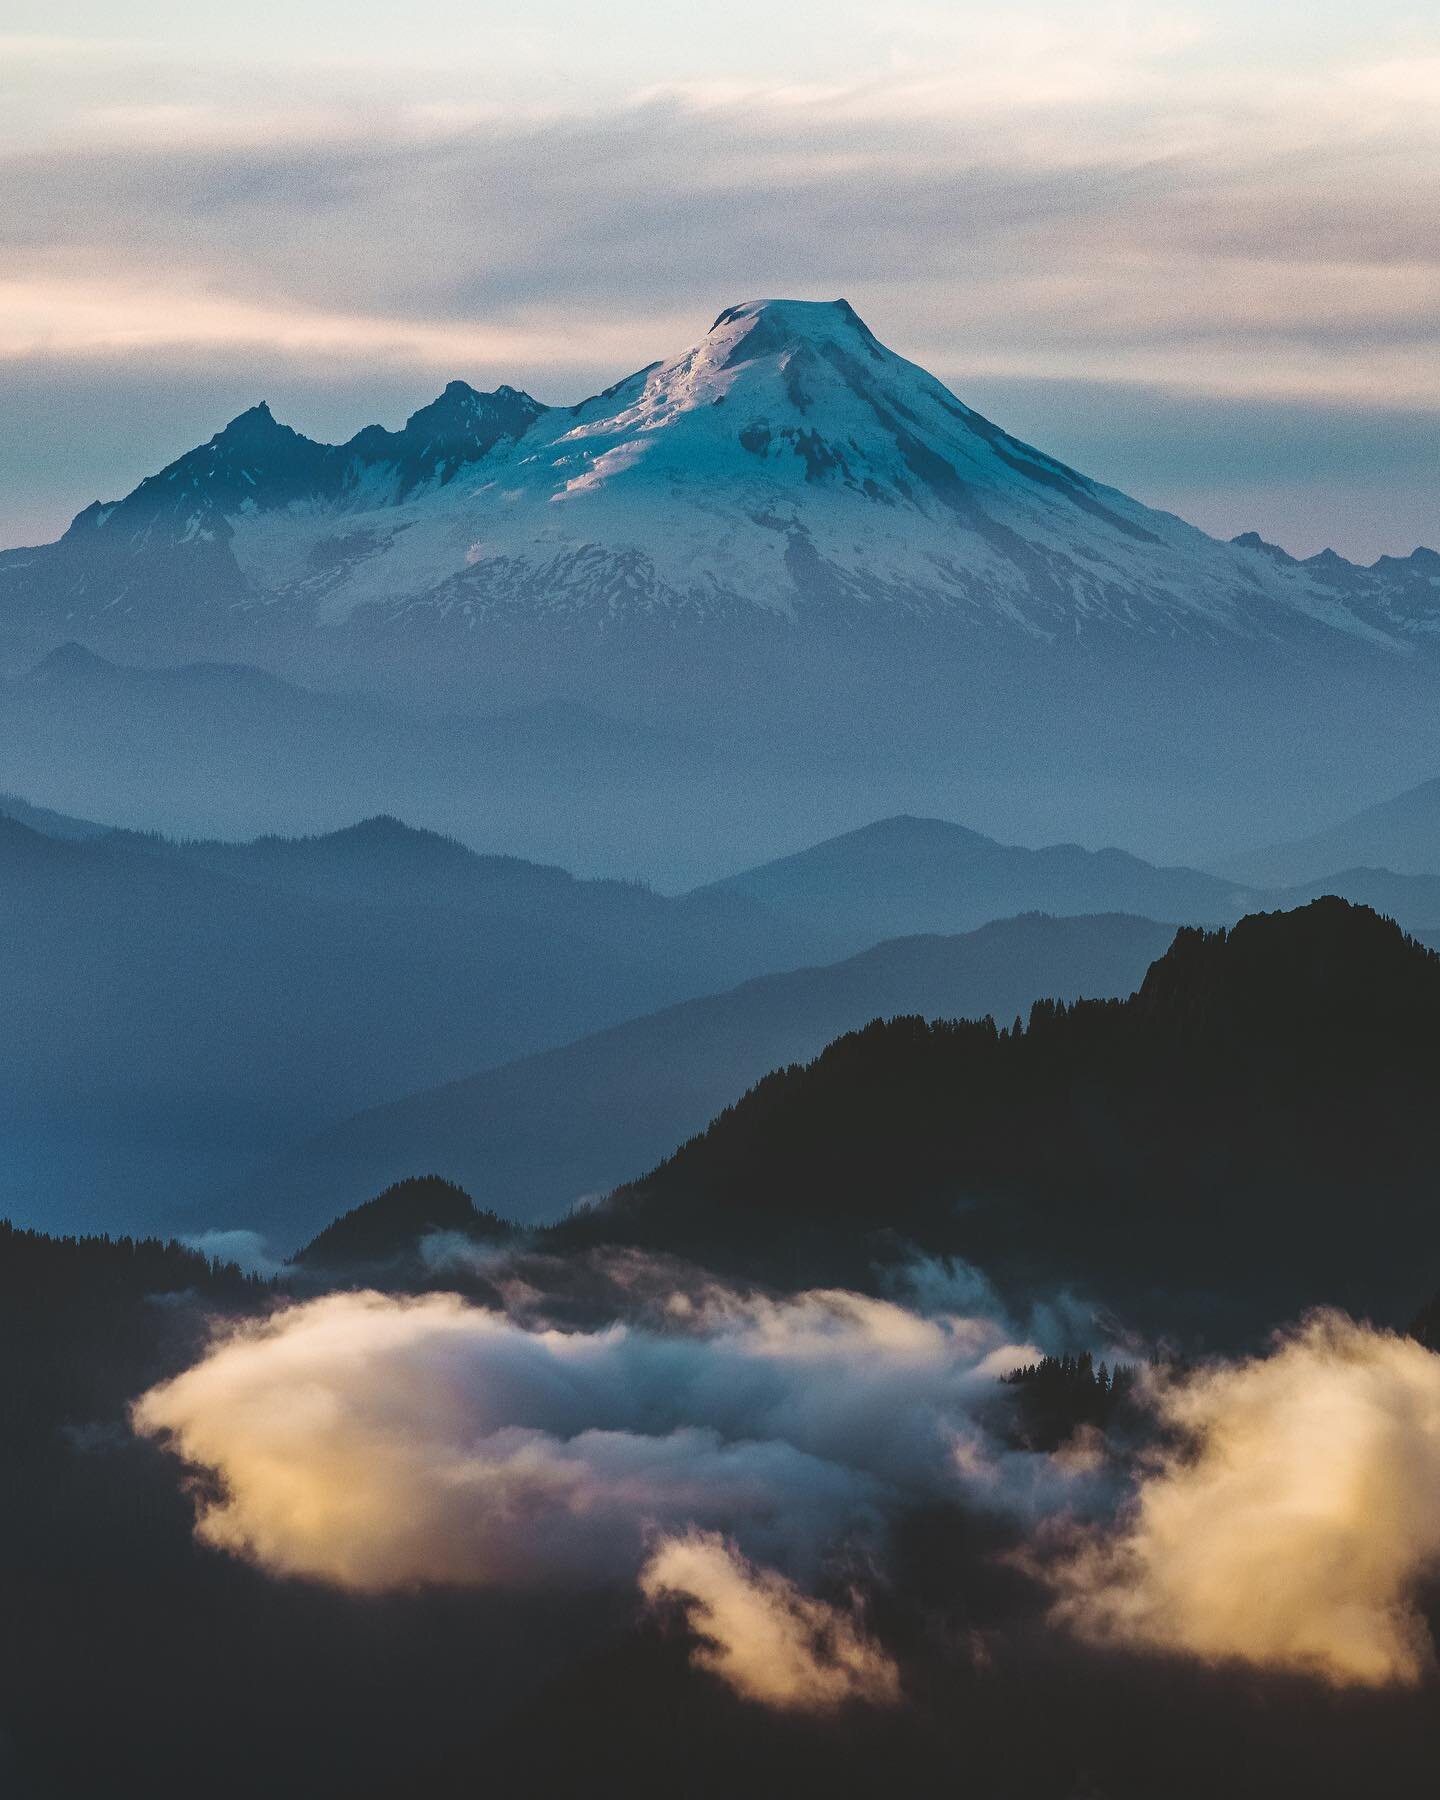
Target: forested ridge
<point>1254,1131</point>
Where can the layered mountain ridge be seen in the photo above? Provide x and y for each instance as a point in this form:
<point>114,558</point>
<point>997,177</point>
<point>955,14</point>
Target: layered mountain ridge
<point>1191,1153</point>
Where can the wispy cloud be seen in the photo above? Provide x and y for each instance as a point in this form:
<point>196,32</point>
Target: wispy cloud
<point>762,1636</point>
<point>1024,196</point>
<point>55,315</point>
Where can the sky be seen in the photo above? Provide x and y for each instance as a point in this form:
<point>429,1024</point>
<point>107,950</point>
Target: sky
<point>1193,250</point>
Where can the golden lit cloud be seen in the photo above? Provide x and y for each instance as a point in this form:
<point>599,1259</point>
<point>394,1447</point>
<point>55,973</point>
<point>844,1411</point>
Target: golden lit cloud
<point>762,1636</point>
<point>1292,1521</point>
<point>376,1442</point>
<point>1287,1521</point>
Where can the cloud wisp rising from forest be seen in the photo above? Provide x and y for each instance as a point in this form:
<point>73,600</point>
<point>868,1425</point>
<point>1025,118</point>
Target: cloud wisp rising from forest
<point>762,1636</point>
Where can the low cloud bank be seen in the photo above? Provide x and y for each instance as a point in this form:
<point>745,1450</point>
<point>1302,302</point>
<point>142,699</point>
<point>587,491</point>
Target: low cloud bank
<point>378,1442</point>
<point>722,1448</point>
<point>1291,1521</point>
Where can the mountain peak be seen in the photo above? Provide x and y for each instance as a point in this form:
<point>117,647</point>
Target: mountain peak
<point>777,397</point>
<point>393,1223</point>
<point>463,390</point>
<point>1326,961</point>
<point>827,328</point>
<point>382,828</point>
<point>256,422</point>
<point>459,427</point>
<point>460,404</point>
<point>67,661</point>
<point>908,829</point>
<point>456,400</point>
<point>805,318</point>
<point>1252,540</point>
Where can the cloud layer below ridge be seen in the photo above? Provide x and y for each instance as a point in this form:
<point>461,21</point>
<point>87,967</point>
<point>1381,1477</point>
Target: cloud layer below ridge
<point>731,1452</point>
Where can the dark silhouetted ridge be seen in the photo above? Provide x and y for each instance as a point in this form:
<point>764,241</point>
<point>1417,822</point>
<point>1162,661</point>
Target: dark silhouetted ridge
<point>1258,1121</point>
<point>1330,966</point>
<point>393,1223</point>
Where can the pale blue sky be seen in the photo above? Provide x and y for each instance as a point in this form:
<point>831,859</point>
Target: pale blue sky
<point>1194,249</point>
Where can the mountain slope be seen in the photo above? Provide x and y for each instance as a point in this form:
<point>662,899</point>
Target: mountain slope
<point>209,749</point>
<point>46,822</point>
<point>906,875</point>
<point>1402,834</point>
<point>531,1138</point>
<point>175,1012</point>
<point>1250,1134</point>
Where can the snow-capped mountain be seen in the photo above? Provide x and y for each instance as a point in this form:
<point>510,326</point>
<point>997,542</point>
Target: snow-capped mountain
<point>788,469</point>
